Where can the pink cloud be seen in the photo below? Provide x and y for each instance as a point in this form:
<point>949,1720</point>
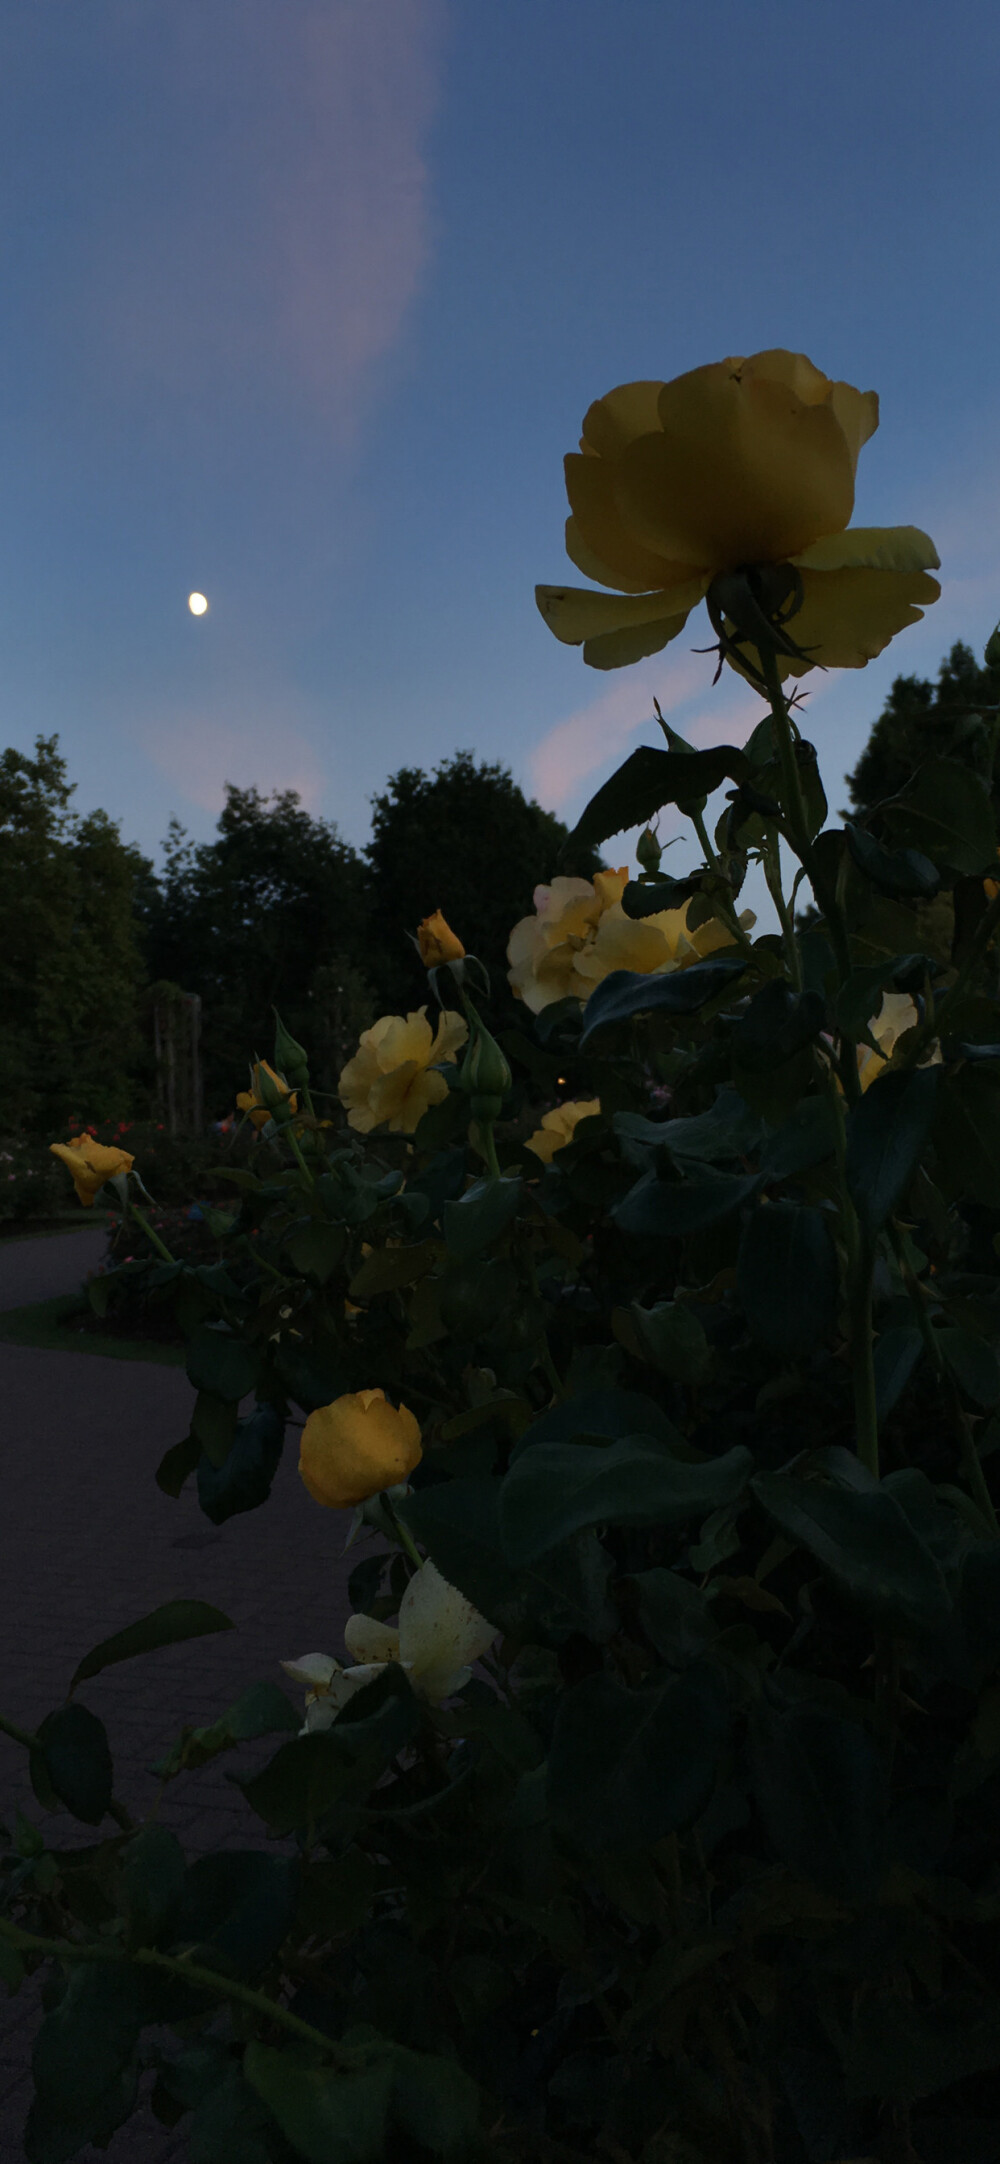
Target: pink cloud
<point>591,742</point>
<point>272,223</point>
<point>203,749</point>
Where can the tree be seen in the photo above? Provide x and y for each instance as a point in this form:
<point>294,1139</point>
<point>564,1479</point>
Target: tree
<point>269,914</point>
<point>465,840</point>
<point>921,720</point>
<point>71,966</point>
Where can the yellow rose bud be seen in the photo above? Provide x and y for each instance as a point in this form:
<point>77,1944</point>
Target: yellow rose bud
<point>437,941</point>
<point>266,1095</point>
<point>90,1163</point>
<point>356,1447</point>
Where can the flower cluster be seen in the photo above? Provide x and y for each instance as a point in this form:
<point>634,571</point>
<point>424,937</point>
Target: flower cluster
<point>579,933</point>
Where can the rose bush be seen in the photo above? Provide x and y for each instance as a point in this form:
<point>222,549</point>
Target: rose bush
<point>693,1281</point>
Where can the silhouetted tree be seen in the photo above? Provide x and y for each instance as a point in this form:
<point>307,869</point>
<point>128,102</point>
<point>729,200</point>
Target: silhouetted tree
<point>921,720</point>
<point>465,840</point>
<point>71,966</point>
<point>268,914</point>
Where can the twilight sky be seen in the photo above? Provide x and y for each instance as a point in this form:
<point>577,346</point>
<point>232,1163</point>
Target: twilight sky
<point>304,300</point>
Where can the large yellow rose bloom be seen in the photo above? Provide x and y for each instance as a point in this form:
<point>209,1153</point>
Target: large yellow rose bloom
<point>746,461</point>
<point>559,1126</point>
<point>90,1163</point>
<point>388,1083</point>
<point>579,933</point>
<point>356,1447</point>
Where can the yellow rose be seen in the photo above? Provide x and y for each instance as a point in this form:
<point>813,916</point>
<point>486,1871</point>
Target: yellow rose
<point>559,1126</point>
<point>90,1163</point>
<point>356,1447</point>
<point>897,1014</point>
<point>389,1082</point>
<point>746,461</point>
<point>438,1636</point>
<point>253,1101</point>
<point>579,933</point>
<point>437,941</point>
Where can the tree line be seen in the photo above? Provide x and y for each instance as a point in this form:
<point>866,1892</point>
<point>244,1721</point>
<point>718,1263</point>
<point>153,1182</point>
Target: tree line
<point>279,910</point>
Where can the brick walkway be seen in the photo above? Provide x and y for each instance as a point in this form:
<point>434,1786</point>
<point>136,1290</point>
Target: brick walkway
<point>88,1544</point>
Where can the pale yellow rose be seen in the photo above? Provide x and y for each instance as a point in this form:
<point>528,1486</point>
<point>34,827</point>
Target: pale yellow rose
<point>439,1635</point>
<point>897,1014</point>
<point>745,461</point>
<point>579,933</point>
<point>559,1126</point>
<point>90,1163</point>
<point>389,1082</point>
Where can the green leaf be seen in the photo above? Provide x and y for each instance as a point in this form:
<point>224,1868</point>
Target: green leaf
<point>177,1465</point>
<point>897,1352</point>
<point>945,813</point>
<point>628,1767</point>
<point>329,2116</point>
<point>973,1363</point>
<point>237,1907</point>
<point>650,778</point>
<point>316,1248</point>
<point>967,1132</point>
<point>610,1413</point>
<point>776,1025</point>
<point>672,1339</point>
<point>436,2101</point>
<point>806,1138</point>
<point>893,871</point>
<point>307,1777</point>
<point>674,1614</point>
<point>75,1761</point>
<point>259,1711</point>
<point>861,996</point>
<point>152,1872</point>
<point>390,1269</point>
<point>886,1134</point>
<point>213,1425</point>
<point>86,2064</point>
<point>219,1362</point>
<point>647,897</point>
<point>900,2050</point>
<point>820,1787</point>
<point>167,1625</point>
<point>231,2122</point>
<point>670,1209</point>
<point>243,1480</point>
<point>863,1540</point>
<point>627,992</point>
<point>787,1277</point>
<point>557,1489</point>
<point>480,1216</point>
<point>458,1523</point>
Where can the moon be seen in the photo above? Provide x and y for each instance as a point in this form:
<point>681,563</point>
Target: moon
<point>197,604</point>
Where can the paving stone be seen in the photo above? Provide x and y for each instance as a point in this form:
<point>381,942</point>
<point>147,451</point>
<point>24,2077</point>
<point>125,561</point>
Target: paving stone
<point>89,1543</point>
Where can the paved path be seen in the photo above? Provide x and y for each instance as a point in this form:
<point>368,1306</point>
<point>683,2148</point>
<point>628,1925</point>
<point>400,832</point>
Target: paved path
<point>89,1543</point>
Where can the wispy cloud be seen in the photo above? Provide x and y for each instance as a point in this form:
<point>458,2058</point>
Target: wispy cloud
<point>271,226</point>
<point>202,748</point>
<point>593,740</point>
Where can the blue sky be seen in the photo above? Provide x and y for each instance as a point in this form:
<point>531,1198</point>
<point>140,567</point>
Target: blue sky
<point>304,300</point>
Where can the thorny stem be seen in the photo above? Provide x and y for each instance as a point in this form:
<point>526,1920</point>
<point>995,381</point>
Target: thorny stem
<point>970,1455</point>
<point>772,873</point>
<point>728,907</point>
<point>189,1972</point>
<point>132,1209</point>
